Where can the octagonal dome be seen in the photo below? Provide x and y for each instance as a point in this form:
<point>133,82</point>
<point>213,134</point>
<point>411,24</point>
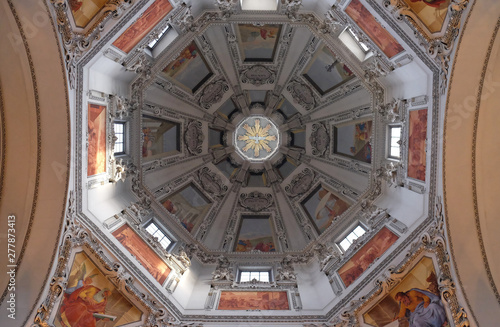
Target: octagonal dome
<point>256,162</point>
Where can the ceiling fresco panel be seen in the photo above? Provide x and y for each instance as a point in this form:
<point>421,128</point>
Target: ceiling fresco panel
<point>325,72</point>
<point>354,141</point>
<point>255,234</point>
<point>96,129</point>
<point>258,43</point>
<point>382,38</point>
<point>142,252</point>
<point>188,205</point>
<point>322,206</point>
<point>417,140</point>
<point>365,256</point>
<point>143,25</point>
<point>189,69</point>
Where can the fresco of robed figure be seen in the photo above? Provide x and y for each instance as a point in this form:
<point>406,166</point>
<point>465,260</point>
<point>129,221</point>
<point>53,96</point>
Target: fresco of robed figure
<point>91,300</point>
<point>415,302</point>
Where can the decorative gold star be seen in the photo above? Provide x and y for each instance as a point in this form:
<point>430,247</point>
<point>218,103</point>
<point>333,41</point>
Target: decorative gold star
<point>257,138</point>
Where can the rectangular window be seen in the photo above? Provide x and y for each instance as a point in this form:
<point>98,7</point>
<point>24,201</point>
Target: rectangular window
<point>120,135</point>
<point>259,4</point>
<point>355,234</point>
<point>394,138</point>
<point>362,45</point>
<point>155,231</point>
<point>153,43</point>
<point>260,276</point>
<point>355,45</point>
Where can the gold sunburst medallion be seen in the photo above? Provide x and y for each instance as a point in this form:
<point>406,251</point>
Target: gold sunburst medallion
<point>257,138</point>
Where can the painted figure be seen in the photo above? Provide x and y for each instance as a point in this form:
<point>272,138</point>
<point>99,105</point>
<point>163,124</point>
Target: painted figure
<point>432,3</point>
<point>75,4</point>
<point>421,308</point>
<point>84,304</point>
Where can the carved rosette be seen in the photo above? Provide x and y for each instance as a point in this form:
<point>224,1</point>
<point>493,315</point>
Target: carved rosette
<point>319,139</point>
<point>212,93</point>
<point>193,137</point>
<point>258,75</point>
<point>300,184</point>
<point>256,201</point>
<point>302,94</point>
<point>211,182</point>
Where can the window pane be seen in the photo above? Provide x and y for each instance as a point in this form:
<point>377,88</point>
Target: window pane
<point>158,233</point>
<point>351,237</point>
<point>394,152</point>
<point>118,148</point>
<point>165,242</point>
<point>359,231</point>
<point>151,228</point>
<point>245,276</point>
<point>264,277</point>
<point>396,131</point>
<point>345,244</point>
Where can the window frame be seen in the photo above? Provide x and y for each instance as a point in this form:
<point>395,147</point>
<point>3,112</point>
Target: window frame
<point>389,141</point>
<point>124,134</point>
<point>162,34</point>
<point>163,231</point>
<point>251,270</point>
<point>348,36</point>
<point>345,237</point>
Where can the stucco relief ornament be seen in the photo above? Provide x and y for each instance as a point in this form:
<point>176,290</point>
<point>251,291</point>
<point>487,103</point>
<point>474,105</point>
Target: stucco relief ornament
<point>226,7</point>
<point>390,111</point>
<point>332,22</point>
<point>193,137</point>
<point>186,21</point>
<point>122,107</point>
<point>389,173</point>
<point>291,8</point>
<point>302,94</point>
<point>223,272</point>
<point>256,201</point>
<point>319,139</point>
<point>212,93</point>
<point>258,75</point>
<point>300,184</point>
<point>140,66</point>
<point>211,182</point>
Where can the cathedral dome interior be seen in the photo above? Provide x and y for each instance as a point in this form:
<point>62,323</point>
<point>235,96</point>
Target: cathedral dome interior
<point>293,163</point>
